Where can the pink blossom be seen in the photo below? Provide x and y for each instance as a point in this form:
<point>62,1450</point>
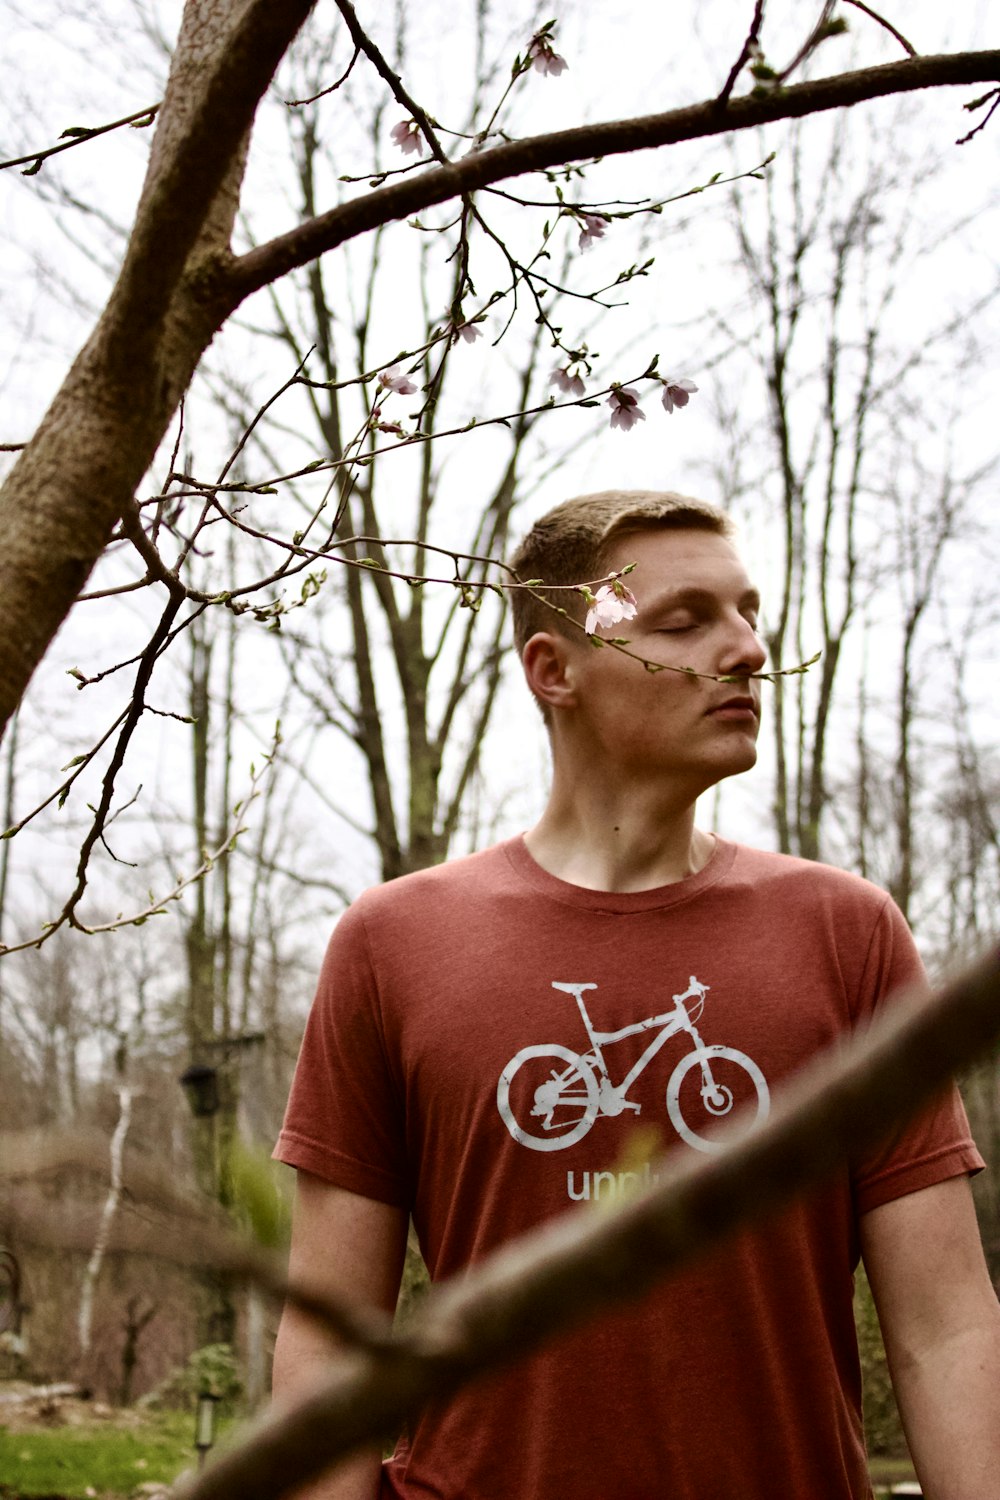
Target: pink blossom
<point>380,426</point>
<point>392,379</point>
<point>570,385</point>
<point>469,332</point>
<point>677,392</point>
<point>611,603</point>
<point>543,57</point>
<point>624,403</point>
<point>406,135</point>
<point>593,229</point>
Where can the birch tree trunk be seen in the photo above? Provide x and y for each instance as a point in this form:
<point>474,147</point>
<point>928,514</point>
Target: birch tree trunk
<point>85,1318</point>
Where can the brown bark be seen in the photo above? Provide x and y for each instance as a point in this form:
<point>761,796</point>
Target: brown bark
<point>79,473</point>
<point>610,138</point>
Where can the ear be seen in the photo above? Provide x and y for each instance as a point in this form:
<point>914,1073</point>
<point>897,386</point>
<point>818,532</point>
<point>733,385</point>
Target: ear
<point>549,662</point>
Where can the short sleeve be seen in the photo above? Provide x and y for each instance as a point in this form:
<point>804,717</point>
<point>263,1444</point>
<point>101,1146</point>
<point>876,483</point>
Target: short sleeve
<point>344,1121</point>
<point>936,1143</point>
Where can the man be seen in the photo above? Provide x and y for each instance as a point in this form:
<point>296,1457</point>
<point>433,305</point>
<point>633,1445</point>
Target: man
<point>497,1038</point>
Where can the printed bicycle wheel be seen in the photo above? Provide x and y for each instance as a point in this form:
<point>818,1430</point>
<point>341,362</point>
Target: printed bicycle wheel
<point>547,1097</point>
<point>726,1079</point>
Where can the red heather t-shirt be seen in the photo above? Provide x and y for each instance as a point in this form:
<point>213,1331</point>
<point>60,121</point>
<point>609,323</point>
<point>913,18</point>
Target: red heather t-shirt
<point>447,1069</point>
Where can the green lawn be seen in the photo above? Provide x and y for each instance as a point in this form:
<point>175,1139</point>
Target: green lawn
<point>889,1471</point>
<point>79,1461</point>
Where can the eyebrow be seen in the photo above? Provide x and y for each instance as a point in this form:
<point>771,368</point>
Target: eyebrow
<point>676,598</point>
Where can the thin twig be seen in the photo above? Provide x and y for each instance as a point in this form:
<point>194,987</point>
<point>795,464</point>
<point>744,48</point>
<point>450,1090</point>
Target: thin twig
<point>133,714</point>
<point>900,38</point>
<point>994,94</point>
<point>333,87</point>
<point>78,765</point>
<point>752,41</point>
<point>259,415</point>
<point>809,46</point>
<point>157,906</point>
<point>112,593</point>
<point>79,137</point>
<point>362,40</point>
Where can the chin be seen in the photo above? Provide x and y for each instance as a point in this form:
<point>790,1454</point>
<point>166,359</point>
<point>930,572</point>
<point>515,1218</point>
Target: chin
<point>742,760</point>
<point>730,765</point>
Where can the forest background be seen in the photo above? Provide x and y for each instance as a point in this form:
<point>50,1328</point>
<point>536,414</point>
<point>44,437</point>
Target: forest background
<point>830,287</point>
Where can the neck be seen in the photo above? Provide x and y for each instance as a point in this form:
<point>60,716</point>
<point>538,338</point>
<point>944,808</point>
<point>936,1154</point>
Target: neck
<point>618,836</point>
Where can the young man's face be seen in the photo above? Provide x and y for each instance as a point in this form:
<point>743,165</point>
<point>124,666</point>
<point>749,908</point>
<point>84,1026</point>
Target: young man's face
<point>696,608</point>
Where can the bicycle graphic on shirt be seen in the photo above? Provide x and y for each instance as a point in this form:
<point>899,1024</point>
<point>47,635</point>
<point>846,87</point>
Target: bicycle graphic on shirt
<point>560,1093</point>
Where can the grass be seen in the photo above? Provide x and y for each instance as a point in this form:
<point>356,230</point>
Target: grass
<point>106,1460</point>
<point>889,1471</point>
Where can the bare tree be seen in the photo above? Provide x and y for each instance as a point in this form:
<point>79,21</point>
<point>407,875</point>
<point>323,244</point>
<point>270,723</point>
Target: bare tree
<point>445,665</point>
<point>835,476</point>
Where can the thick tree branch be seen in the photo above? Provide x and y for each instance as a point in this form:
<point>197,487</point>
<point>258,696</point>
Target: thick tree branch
<point>74,480</point>
<point>225,60</point>
<point>179,283</point>
<point>583,1261</point>
<point>610,138</point>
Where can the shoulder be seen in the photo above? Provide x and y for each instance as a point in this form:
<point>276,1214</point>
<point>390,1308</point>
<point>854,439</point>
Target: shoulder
<point>426,917</point>
<point>802,900</point>
<point>469,880</point>
<point>852,930</point>
<point>785,876</point>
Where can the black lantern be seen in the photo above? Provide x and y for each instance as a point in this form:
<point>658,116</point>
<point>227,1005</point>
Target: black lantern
<point>204,1432</point>
<point>201,1086</point>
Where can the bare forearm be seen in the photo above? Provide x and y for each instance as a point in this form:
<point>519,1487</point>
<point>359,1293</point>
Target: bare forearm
<point>351,1249</point>
<point>950,1404</point>
<point>941,1324</point>
<point>301,1359</point>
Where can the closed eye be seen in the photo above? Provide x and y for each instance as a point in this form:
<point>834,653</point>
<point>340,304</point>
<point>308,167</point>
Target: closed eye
<point>674,624</point>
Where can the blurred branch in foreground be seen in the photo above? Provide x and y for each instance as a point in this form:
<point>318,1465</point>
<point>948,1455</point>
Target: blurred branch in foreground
<point>584,1261</point>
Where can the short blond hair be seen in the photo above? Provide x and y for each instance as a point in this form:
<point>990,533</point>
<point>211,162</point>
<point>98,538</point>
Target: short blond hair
<point>570,543</point>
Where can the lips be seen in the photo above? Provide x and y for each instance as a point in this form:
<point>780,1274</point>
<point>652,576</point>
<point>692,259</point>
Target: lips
<point>736,708</point>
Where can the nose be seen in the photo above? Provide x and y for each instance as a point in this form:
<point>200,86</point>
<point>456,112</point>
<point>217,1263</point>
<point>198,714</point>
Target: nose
<point>744,650</point>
